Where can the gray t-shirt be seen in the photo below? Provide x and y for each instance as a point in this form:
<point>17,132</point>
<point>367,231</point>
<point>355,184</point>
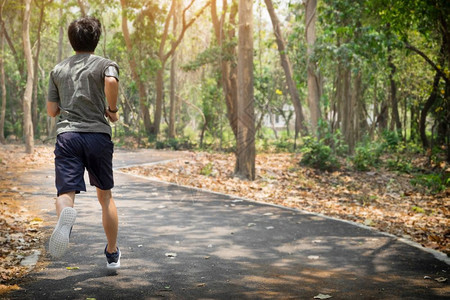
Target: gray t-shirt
<point>77,84</point>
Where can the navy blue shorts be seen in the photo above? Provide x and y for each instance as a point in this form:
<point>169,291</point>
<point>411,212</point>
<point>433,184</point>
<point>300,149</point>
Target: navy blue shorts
<point>77,151</point>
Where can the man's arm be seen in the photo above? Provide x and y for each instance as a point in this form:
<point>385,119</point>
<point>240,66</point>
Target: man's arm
<point>111,93</point>
<point>52,109</point>
<point>53,98</point>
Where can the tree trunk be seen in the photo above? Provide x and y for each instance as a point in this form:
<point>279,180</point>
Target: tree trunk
<point>334,99</point>
<point>382,119</point>
<point>60,42</point>
<point>245,164</point>
<point>51,122</point>
<point>228,67</point>
<point>340,95</point>
<point>163,57</point>
<point>62,27</point>
<point>447,117</point>
<point>159,100</point>
<point>434,93</point>
<point>346,109</point>
<point>313,77</point>
<point>393,96</point>
<point>414,124</point>
<point>127,111</point>
<point>173,79</point>
<point>172,108</point>
<point>134,71</point>
<point>35,104</point>
<point>27,97</point>
<point>272,123</point>
<point>2,81</point>
<point>200,111</point>
<point>423,114</point>
<point>300,124</point>
<point>359,119</point>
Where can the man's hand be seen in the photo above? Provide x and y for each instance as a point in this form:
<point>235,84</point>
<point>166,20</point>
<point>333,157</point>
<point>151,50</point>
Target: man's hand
<point>113,117</point>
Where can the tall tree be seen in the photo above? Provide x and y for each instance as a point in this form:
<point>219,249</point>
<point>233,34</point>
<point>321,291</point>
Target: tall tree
<point>431,19</point>
<point>225,34</point>
<point>393,86</point>
<point>173,79</point>
<point>17,56</point>
<point>134,70</point>
<point>164,55</point>
<point>348,41</point>
<point>245,147</point>
<point>430,102</point>
<point>27,97</point>
<point>35,105</point>
<point>62,26</point>
<point>345,103</point>
<point>300,122</point>
<point>51,122</point>
<point>2,79</point>
<point>313,75</point>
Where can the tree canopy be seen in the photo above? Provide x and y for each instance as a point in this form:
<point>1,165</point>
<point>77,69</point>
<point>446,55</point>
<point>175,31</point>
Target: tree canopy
<point>343,72</point>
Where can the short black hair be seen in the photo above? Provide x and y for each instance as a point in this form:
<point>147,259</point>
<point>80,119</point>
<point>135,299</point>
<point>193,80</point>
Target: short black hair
<point>84,34</point>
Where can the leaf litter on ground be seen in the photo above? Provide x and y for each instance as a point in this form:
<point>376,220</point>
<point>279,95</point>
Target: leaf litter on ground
<point>20,226</point>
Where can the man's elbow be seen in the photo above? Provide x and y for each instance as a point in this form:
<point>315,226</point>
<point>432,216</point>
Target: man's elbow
<point>52,110</point>
<point>111,82</point>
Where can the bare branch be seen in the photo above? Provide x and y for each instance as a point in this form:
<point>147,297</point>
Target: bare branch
<point>166,29</point>
<point>429,61</point>
<point>185,27</point>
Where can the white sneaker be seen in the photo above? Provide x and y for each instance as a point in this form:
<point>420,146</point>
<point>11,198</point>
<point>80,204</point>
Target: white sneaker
<point>59,241</point>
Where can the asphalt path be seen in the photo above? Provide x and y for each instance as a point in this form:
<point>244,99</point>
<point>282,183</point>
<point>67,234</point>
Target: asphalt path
<point>183,243</point>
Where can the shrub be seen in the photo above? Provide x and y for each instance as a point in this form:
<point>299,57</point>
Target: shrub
<point>283,145</point>
<point>336,141</point>
<point>207,169</point>
<point>364,158</point>
<point>434,182</point>
<point>391,140</point>
<point>175,144</point>
<point>318,155</point>
<point>400,165</point>
<point>367,155</point>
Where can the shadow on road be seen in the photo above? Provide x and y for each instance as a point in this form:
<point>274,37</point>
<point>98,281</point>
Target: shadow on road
<point>181,243</point>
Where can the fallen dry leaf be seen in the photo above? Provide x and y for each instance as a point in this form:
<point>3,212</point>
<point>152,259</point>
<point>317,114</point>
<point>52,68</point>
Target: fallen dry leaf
<point>441,279</point>
<point>20,233</point>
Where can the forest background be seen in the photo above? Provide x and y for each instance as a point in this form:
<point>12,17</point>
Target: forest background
<point>361,88</point>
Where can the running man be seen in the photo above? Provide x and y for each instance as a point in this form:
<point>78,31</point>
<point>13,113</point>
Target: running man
<point>77,90</point>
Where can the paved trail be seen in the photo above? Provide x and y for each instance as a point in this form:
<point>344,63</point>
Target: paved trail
<point>222,248</point>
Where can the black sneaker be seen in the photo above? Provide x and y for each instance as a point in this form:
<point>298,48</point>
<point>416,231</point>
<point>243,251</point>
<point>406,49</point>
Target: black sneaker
<point>113,259</point>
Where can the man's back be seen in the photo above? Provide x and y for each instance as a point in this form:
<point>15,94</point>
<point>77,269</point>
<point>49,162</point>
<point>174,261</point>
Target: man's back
<point>77,83</point>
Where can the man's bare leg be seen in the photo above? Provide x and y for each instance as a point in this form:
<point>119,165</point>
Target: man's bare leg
<point>109,218</point>
<point>63,201</point>
<point>59,240</point>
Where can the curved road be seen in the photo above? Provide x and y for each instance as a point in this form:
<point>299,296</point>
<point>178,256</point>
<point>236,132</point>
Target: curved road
<point>181,243</point>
